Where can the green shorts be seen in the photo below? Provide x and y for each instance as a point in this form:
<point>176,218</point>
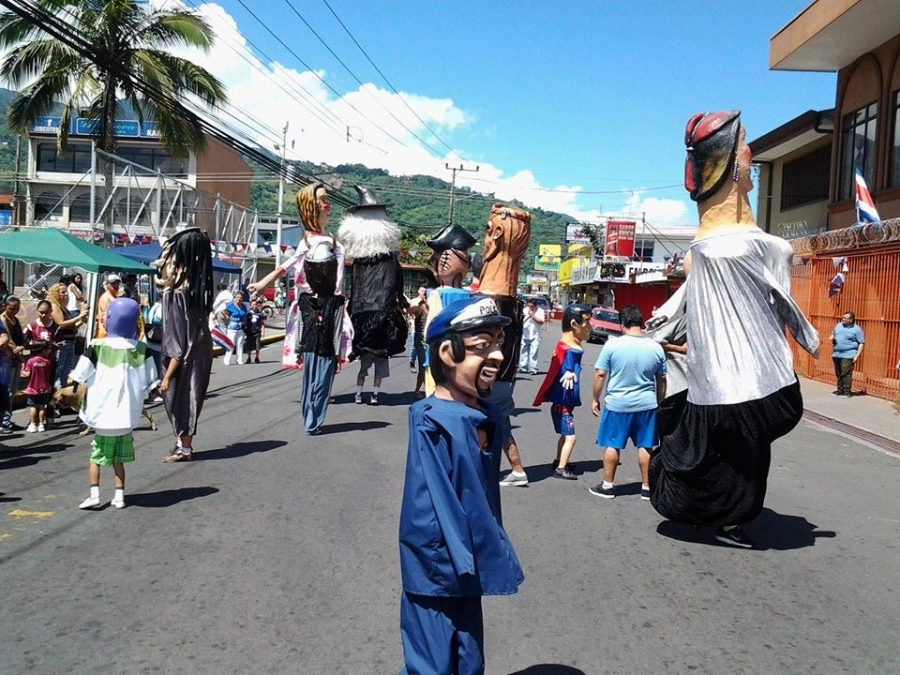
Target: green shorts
<point>109,450</point>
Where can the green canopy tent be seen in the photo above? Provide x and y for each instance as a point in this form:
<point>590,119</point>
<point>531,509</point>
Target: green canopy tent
<point>54,247</point>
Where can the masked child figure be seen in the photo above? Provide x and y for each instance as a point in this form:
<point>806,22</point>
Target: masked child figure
<point>561,384</point>
<point>119,373</point>
<point>453,548</point>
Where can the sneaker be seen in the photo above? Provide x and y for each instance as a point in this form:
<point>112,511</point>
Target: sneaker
<point>6,430</point>
<point>178,456</point>
<point>90,503</point>
<point>41,428</point>
<point>514,480</point>
<point>600,491</point>
<point>118,503</point>
<point>845,396</point>
<point>358,399</point>
<point>32,428</point>
<point>256,360</point>
<point>413,370</point>
<point>734,537</point>
<point>835,393</point>
<point>645,494</point>
<point>532,372</point>
<point>565,474</point>
<point>373,400</point>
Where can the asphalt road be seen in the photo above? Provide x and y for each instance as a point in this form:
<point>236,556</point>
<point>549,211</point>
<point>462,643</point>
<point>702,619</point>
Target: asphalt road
<point>277,553</point>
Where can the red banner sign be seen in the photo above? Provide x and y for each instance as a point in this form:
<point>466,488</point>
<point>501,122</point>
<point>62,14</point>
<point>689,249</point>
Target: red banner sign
<point>619,238</point>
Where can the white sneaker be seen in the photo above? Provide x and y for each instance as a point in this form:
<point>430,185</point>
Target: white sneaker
<point>90,503</point>
<point>515,480</point>
<point>32,428</point>
<point>118,503</point>
<point>41,428</point>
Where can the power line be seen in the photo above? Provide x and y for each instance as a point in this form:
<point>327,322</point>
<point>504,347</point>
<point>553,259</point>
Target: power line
<point>384,77</point>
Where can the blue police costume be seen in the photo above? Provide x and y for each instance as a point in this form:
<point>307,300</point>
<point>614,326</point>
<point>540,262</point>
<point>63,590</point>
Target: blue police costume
<point>453,548</point>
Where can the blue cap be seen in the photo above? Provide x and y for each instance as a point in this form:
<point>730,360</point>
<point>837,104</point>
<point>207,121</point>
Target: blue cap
<point>465,315</point>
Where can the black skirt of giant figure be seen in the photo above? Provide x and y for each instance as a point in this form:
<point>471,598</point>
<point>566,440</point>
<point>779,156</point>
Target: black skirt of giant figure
<point>512,341</point>
<point>321,320</point>
<point>378,325</point>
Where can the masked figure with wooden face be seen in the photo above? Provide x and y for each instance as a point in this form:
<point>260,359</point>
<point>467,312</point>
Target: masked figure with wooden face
<point>742,392</point>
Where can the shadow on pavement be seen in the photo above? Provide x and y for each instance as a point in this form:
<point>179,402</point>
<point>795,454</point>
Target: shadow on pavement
<point>549,669</point>
<point>353,426</point>
<point>771,531</point>
<point>4,498</point>
<point>19,462</point>
<point>164,498</point>
<point>238,450</point>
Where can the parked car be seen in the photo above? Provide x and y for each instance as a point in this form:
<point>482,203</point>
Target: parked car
<point>604,324</point>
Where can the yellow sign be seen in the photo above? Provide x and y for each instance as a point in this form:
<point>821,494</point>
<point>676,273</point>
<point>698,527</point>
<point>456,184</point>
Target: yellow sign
<point>550,250</point>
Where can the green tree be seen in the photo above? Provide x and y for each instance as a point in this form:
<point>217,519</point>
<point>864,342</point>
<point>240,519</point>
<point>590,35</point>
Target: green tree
<point>127,60</point>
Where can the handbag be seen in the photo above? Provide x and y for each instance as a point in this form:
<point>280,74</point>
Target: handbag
<point>153,333</point>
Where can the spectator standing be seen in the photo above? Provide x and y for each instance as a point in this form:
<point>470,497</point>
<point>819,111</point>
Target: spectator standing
<point>67,330</point>
<point>14,354</point>
<point>532,321</point>
<point>76,292</point>
<point>847,342</point>
<point>223,297</point>
<point>636,367</point>
<point>4,289</point>
<point>280,297</point>
<point>39,371</point>
<point>235,316</point>
<point>6,360</point>
<point>110,293</point>
<point>256,330</point>
<point>419,312</point>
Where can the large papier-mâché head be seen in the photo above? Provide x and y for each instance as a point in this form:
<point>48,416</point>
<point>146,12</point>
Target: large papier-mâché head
<point>711,140</point>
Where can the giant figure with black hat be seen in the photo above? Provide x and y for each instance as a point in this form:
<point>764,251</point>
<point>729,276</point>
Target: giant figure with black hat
<point>453,548</point>
<point>376,300</point>
<point>451,262</point>
<point>742,392</point>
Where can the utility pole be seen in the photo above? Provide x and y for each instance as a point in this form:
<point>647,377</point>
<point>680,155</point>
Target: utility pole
<point>280,196</point>
<point>17,198</point>
<point>454,169</point>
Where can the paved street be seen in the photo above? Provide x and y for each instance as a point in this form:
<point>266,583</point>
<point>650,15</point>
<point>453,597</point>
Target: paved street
<point>277,553</point>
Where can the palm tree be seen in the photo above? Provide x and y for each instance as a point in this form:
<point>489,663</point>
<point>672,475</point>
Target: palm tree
<point>121,56</point>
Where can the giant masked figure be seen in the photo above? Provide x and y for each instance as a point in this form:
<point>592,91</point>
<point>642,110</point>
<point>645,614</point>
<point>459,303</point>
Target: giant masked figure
<point>376,299</point>
<point>185,275</point>
<point>742,392</point>
<point>451,262</point>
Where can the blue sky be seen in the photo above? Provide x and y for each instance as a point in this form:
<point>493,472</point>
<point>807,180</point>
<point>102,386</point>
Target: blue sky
<point>575,106</point>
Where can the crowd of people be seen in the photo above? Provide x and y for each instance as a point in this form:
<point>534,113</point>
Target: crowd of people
<point>703,442</point>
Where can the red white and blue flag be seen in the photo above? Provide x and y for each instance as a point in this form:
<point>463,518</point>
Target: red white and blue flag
<point>865,206</point>
<point>836,285</point>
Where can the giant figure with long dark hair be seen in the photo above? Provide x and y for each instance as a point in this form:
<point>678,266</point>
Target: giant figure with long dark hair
<point>185,275</point>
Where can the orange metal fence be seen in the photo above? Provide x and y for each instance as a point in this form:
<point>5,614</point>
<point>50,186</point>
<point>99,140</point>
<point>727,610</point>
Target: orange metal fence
<point>872,291</point>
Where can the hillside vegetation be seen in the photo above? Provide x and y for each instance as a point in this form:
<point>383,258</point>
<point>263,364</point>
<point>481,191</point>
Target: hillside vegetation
<point>419,203</point>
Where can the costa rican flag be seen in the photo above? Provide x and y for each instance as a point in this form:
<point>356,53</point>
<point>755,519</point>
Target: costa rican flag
<point>865,207</point>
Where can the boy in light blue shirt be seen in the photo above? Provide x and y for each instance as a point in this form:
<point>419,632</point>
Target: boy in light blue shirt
<point>636,367</point>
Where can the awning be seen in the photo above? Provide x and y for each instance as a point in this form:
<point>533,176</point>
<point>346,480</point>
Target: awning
<point>147,253</point>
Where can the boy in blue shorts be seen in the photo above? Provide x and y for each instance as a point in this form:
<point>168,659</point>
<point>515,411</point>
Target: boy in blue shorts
<point>636,367</point>
<point>560,386</point>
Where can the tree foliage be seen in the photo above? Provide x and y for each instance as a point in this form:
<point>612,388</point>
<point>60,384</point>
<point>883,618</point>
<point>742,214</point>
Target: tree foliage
<point>126,60</point>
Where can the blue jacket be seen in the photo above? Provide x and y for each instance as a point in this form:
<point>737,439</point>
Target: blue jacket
<point>452,542</point>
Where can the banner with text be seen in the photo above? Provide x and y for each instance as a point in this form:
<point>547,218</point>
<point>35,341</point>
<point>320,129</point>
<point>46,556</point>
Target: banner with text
<point>619,238</point>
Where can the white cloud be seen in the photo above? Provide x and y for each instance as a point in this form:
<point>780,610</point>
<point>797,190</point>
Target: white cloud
<point>360,126</point>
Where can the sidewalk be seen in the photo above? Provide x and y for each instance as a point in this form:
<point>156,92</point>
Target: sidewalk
<point>867,414</point>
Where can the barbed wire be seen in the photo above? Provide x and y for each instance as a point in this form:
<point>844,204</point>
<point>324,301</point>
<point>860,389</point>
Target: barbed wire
<point>848,238</point>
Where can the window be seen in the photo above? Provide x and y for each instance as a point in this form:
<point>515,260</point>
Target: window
<point>80,209</point>
<point>77,159</point>
<point>895,144</point>
<point>48,205</point>
<point>805,180</point>
<point>858,148</point>
<point>643,250</point>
